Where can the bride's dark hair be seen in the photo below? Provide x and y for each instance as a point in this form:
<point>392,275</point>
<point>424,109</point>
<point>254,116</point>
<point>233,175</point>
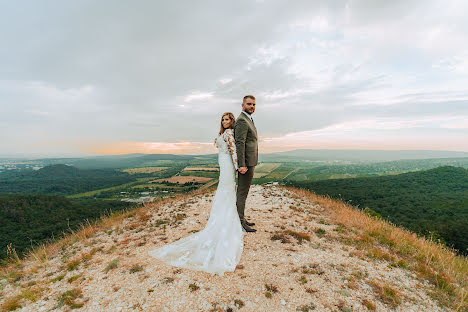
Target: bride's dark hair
<point>231,126</point>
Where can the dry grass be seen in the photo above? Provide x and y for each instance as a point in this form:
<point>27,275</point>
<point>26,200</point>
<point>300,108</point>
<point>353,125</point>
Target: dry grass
<point>14,302</point>
<point>111,265</point>
<point>386,294</point>
<point>283,236</point>
<point>69,298</point>
<point>430,260</point>
<point>369,305</point>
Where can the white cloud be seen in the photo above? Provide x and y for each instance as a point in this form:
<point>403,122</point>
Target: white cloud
<point>225,80</point>
<point>197,96</point>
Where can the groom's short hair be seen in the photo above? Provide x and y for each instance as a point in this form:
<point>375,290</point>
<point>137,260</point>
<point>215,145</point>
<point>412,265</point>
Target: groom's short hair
<point>248,97</point>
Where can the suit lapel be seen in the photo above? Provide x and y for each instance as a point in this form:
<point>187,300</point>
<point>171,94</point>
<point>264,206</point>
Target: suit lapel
<point>250,122</point>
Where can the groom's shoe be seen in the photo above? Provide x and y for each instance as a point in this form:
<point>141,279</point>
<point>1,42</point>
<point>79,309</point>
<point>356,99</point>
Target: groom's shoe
<point>249,223</point>
<point>247,228</point>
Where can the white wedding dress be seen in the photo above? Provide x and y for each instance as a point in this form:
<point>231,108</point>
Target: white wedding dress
<point>218,247</point>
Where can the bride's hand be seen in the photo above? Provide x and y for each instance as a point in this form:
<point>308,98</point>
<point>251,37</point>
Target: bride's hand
<point>243,170</point>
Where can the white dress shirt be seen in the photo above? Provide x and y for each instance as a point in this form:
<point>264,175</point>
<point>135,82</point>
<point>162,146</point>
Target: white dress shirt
<point>248,115</point>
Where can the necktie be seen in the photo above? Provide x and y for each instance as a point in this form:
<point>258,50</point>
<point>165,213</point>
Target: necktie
<point>252,121</point>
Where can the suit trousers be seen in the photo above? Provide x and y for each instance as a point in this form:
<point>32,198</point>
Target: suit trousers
<point>243,187</point>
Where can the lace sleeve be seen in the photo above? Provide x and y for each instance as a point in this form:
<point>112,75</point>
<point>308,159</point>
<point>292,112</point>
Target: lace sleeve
<point>229,138</point>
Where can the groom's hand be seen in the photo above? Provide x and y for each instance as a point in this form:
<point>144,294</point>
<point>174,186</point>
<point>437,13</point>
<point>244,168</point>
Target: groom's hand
<point>242,170</point>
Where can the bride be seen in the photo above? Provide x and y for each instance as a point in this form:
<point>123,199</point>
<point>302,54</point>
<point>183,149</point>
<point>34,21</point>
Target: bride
<point>218,247</point>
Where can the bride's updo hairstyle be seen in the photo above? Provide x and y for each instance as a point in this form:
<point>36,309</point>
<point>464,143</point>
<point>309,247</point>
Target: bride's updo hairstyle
<point>231,126</point>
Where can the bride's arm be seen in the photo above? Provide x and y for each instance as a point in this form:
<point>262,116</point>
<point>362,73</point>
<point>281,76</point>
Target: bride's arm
<point>232,146</point>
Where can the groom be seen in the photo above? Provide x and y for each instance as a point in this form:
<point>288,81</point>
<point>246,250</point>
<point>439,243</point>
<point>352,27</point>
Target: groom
<point>245,135</point>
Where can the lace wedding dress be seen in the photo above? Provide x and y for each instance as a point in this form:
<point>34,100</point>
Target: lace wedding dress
<point>218,247</point>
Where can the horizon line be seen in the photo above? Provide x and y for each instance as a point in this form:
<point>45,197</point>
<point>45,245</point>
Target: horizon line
<point>82,155</point>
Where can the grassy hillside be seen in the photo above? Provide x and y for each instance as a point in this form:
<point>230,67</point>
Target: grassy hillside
<point>432,203</point>
<point>106,261</point>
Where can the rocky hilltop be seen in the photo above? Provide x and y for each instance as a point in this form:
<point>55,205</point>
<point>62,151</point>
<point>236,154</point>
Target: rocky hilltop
<point>310,253</point>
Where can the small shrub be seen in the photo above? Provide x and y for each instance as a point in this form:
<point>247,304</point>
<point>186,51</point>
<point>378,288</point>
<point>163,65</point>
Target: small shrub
<point>135,268</point>
<point>180,216</point>
<point>402,264</point>
<point>160,222</point>
<point>238,303</point>
<point>359,274</point>
<point>386,294</point>
<point>145,217</point>
<point>320,232</point>
<point>72,265</point>
<point>74,278</point>
<point>312,268</point>
<point>112,265</point>
<point>11,304</point>
<point>281,237</point>
<point>58,278</point>
<point>299,236</point>
<point>111,249</point>
<point>168,280</point>
<point>271,288</point>
<point>268,294</point>
<point>340,228</point>
<point>68,298</point>
<point>193,287</point>
<point>13,276</point>
<point>306,307</point>
<point>31,294</point>
<point>390,296</point>
<point>369,305</point>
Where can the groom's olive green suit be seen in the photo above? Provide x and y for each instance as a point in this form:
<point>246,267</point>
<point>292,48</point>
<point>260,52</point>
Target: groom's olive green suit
<point>245,135</point>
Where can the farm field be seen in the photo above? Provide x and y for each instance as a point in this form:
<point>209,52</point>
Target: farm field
<point>182,179</point>
<point>264,169</point>
<point>201,169</point>
<point>109,189</point>
<point>144,170</point>
<point>281,171</point>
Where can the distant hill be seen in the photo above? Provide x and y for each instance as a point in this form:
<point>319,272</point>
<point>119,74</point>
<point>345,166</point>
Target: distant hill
<point>299,155</point>
<point>319,171</point>
<point>432,202</point>
<point>360,155</point>
<point>60,180</point>
<point>128,161</point>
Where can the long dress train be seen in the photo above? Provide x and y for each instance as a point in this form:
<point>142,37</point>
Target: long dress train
<point>218,247</point>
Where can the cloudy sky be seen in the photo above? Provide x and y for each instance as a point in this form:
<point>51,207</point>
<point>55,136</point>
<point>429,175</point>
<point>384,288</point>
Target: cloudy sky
<point>118,77</point>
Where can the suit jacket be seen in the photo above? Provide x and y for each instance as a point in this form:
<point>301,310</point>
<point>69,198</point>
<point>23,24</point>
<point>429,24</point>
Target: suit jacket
<point>245,135</point>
